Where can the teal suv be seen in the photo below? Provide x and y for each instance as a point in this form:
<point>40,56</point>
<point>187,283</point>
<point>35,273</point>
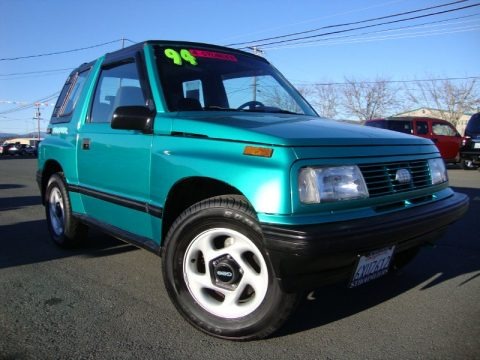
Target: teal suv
<point>208,157</point>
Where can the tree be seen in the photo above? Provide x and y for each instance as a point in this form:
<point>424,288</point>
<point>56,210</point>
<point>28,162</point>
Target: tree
<point>450,99</point>
<point>278,97</point>
<point>325,99</point>
<point>368,99</point>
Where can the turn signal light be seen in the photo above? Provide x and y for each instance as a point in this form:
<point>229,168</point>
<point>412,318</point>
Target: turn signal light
<point>258,151</point>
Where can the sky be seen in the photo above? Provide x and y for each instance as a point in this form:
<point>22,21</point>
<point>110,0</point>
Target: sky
<point>440,46</point>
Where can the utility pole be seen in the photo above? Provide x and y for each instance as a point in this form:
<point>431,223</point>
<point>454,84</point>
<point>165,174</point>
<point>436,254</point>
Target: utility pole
<point>256,51</point>
<point>38,118</point>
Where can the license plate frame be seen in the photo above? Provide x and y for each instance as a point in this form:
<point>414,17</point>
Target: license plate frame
<point>371,266</point>
<point>476,145</point>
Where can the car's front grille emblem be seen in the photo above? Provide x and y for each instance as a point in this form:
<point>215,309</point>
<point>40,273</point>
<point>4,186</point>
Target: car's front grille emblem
<point>403,176</point>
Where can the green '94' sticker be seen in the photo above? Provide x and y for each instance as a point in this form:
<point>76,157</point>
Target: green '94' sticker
<point>179,58</point>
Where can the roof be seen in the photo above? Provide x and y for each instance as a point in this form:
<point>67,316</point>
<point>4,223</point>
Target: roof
<point>430,109</point>
<point>133,49</point>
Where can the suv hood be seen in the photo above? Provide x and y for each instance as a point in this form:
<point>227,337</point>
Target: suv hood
<point>285,130</point>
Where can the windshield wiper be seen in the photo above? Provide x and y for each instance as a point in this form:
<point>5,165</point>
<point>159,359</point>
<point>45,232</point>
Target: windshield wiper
<point>218,108</point>
<point>266,109</point>
<point>281,111</point>
<point>272,110</point>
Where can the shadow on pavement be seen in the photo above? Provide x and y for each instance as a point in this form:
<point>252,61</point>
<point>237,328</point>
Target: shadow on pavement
<point>11,186</point>
<point>457,253</point>
<point>29,242</point>
<point>15,203</point>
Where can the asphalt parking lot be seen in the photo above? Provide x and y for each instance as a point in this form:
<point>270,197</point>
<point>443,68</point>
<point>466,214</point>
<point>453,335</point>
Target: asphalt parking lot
<point>107,300</point>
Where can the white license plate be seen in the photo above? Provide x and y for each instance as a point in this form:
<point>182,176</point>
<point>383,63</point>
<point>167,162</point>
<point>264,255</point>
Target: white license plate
<point>476,145</point>
<point>372,266</point>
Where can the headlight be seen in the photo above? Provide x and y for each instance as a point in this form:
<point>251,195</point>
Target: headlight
<point>438,171</point>
<point>327,184</point>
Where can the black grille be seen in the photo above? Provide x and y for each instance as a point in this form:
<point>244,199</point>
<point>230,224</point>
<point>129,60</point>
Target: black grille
<point>381,178</point>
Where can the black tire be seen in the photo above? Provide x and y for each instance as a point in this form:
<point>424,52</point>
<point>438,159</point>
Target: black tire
<point>229,226</point>
<point>468,165</point>
<point>65,230</point>
<point>404,258</point>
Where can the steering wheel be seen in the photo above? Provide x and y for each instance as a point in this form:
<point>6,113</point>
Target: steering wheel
<point>251,105</point>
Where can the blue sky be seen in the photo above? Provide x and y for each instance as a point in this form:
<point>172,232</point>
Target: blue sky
<point>32,27</point>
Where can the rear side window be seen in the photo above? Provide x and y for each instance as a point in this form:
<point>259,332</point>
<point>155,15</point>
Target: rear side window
<point>443,129</point>
<point>68,98</point>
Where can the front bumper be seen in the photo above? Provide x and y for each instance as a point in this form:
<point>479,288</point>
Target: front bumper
<point>307,256</point>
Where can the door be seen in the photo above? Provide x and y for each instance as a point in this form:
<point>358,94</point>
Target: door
<point>113,164</point>
<point>447,139</point>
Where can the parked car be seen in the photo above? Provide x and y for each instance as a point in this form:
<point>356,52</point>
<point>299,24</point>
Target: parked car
<point>441,132</point>
<point>11,149</point>
<point>470,151</point>
<point>29,151</point>
<point>207,156</point>
<point>4,148</point>
<point>18,149</point>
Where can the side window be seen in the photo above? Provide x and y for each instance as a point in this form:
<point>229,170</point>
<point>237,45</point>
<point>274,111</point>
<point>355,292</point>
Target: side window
<point>400,126</point>
<point>422,128</point>
<point>61,97</point>
<point>69,96</point>
<point>378,124</point>
<point>117,86</point>
<point>74,94</point>
<point>443,129</point>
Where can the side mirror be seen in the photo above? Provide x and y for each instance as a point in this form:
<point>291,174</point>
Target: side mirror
<point>133,118</point>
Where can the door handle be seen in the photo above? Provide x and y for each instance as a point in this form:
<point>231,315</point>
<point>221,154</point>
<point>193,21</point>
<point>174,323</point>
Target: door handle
<point>86,144</point>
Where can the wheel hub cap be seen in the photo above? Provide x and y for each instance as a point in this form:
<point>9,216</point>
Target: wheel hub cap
<point>226,272</point>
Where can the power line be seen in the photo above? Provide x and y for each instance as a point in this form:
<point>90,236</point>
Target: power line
<point>361,40</point>
<point>292,45</point>
<point>64,51</point>
<point>37,72</point>
<point>348,24</point>
<point>361,27</point>
<point>316,19</point>
<point>21,77</point>
<point>425,24</point>
<point>13,119</point>
<point>391,81</point>
<point>30,105</point>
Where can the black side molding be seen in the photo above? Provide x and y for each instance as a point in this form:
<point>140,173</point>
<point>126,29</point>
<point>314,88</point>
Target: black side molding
<point>118,200</point>
<point>138,241</point>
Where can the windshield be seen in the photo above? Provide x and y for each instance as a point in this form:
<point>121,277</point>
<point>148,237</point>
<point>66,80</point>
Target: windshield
<point>473,125</point>
<point>208,79</point>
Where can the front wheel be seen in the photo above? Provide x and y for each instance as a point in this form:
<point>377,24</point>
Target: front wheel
<point>217,272</point>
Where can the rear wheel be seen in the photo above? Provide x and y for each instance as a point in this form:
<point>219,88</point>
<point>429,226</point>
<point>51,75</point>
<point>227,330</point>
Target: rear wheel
<point>65,230</point>
<point>468,165</point>
<point>217,272</point>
